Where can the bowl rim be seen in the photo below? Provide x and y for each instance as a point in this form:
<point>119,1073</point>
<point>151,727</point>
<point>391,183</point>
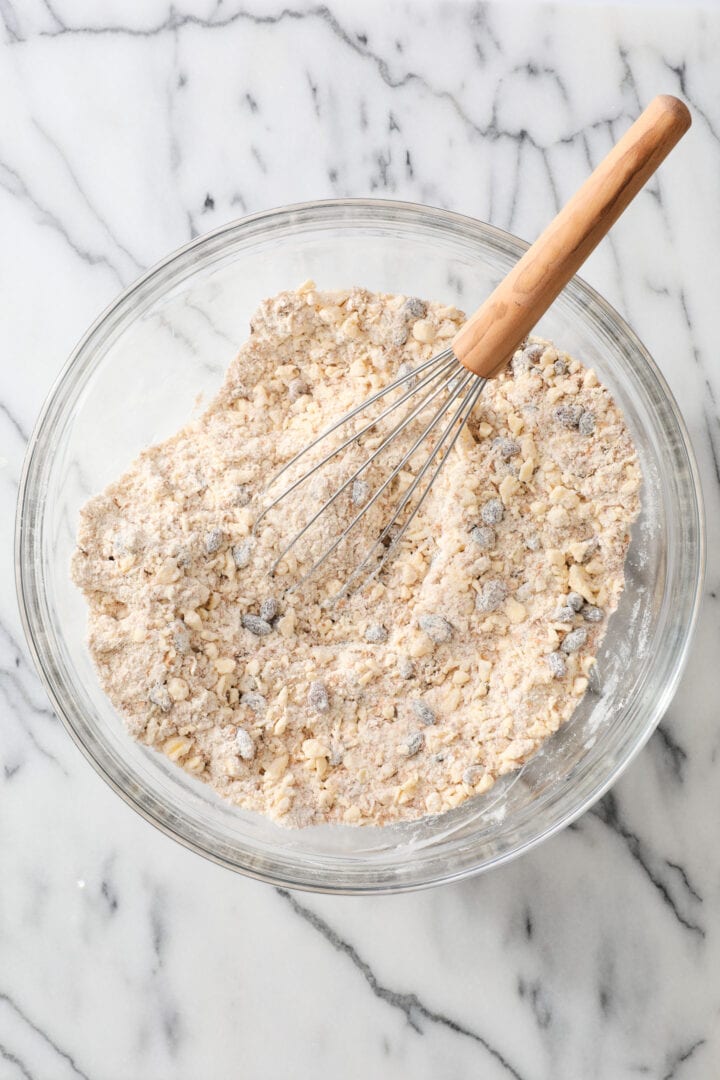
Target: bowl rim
<point>511,244</point>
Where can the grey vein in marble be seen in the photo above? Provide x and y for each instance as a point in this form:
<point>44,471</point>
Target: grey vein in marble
<point>408,1003</point>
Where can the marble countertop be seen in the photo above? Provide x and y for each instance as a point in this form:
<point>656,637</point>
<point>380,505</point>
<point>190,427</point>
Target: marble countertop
<point>124,131</point>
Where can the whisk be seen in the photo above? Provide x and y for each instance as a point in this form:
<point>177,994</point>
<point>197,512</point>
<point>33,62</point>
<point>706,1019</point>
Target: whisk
<point>454,379</point>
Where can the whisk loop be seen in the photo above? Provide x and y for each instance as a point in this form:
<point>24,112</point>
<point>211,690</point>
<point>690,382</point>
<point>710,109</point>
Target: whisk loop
<point>440,377</point>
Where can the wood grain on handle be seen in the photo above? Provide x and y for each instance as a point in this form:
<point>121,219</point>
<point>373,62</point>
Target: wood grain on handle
<point>488,339</point>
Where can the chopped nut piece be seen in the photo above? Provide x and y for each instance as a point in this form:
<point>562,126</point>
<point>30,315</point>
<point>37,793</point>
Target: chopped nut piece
<point>526,470</point>
<point>178,689</point>
<point>580,582</point>
<point>424,331</point>
<point>515,611</point>
<point>508,487</point>
<point>178,747</point>
<point>314,748</point>
<point>558,517</point>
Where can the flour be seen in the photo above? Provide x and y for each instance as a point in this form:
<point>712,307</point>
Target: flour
<point>474,644</point>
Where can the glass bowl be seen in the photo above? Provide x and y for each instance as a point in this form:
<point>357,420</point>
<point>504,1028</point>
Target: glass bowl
<point>135,378</point>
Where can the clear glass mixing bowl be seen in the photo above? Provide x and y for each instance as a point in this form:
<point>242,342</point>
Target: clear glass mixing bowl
<point>135,378</point>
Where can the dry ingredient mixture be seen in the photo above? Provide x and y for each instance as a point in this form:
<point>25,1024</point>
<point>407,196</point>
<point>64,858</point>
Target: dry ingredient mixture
<point>473,646</point>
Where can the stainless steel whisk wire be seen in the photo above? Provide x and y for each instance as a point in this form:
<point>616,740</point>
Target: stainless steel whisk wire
<point>442,374</point>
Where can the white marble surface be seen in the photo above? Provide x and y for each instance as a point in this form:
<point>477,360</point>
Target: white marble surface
<point>124,130</point>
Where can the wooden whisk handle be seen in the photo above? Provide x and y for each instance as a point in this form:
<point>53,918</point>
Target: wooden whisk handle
<point>488,339</point>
